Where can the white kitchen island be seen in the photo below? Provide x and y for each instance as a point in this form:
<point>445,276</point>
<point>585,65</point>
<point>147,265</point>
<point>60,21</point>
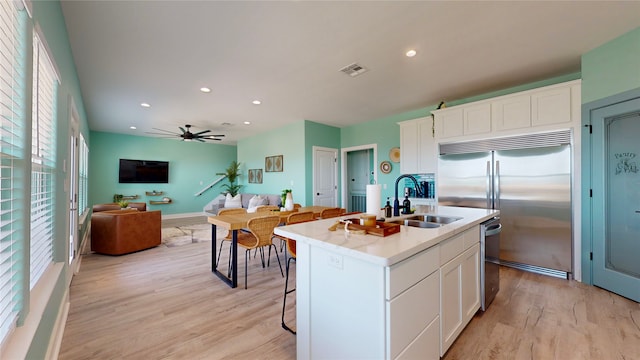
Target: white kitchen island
<point>403,296</point>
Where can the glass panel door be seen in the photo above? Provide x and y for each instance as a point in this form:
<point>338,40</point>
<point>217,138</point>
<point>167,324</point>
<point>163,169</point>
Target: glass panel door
<point>623,195</point>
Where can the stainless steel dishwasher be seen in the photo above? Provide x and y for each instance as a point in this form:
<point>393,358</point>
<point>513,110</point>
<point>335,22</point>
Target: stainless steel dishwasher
<point>490,253</point>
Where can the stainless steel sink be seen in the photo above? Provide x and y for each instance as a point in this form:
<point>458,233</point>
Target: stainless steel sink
<point>438,219</point>
<point>418,223</point>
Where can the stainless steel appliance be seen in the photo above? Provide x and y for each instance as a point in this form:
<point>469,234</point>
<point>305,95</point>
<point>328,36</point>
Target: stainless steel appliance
<point>489,254</point>
<point>528,178</point>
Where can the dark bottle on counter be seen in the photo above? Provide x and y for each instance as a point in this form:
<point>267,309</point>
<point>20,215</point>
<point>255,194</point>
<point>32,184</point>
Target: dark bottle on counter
<point>406,205</point>
<point>387,209</point>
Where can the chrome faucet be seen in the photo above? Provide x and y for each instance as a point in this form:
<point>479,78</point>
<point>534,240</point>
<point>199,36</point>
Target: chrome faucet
<point>396,202</point>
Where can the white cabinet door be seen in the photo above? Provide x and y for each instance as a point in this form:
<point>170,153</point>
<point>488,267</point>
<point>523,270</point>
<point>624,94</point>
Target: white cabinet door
<point>450,303</point>
<point>470,283</point>
<point>428,156</point>
<point>425,346</point>
<point>551,107</point>
<point>477,119</point>
<point>449,123</point>
<point>417,147</point>
<point>409,147</point>
<point>511,113</point>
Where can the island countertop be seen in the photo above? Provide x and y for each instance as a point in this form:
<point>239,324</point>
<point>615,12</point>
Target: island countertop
<point>387,250</point>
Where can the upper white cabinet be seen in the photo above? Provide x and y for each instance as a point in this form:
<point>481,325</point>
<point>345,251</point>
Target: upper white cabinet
<point>533,110</point>
<point>417,146</point>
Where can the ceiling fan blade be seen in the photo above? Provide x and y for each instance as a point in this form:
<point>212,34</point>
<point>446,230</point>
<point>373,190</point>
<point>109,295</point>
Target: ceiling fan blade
<point>165,131</point>
<point>181,128</point>
<point>202,132</point>
<point>199,139</point>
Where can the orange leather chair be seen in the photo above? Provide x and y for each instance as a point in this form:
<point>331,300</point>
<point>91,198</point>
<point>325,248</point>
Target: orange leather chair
<point>118,232</point>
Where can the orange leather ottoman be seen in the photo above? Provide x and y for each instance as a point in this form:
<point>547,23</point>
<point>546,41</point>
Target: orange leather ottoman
<point>118,232</point>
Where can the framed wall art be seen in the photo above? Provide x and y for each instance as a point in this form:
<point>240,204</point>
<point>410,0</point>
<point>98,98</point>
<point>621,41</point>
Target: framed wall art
<point>255,176</point>
<point>273,163</point>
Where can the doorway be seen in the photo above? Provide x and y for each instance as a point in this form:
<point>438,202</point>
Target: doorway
<point>615,205</point>
<point>359,170</point>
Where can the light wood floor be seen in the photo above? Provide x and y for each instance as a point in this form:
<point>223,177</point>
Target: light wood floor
<point>164,303</point>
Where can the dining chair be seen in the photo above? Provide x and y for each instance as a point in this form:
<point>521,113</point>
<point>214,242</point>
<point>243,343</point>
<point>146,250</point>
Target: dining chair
<point>331,213</point>
<point>259,236</point>
<point>228,237</point>
<point>267,208</point>
<point>294,218</point>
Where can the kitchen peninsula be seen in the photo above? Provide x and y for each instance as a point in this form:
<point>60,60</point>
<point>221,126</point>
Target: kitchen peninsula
<point>407,295</point>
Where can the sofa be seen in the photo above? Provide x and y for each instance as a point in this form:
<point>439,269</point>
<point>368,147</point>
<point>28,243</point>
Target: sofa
<point>245,199</point>
<point>119,232</point>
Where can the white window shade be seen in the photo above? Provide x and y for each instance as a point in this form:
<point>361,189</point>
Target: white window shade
<point>43,155</point>
<point>12,81</point>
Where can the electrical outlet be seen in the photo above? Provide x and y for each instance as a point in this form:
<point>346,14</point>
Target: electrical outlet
<point>384,186</point>
<point>335,261</point>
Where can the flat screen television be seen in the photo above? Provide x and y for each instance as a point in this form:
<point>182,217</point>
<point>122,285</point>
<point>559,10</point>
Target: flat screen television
<point>143,171</point>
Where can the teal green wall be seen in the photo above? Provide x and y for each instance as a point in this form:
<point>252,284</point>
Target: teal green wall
<point>287,141</point>
<point>48,16</point>
<point>192,166</point>
<point>611,74</point>
<point>611,68</point>
<point>318,135</point>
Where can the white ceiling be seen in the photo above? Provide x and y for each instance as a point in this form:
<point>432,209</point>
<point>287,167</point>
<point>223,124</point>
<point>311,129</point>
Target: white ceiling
<point>288,55</point>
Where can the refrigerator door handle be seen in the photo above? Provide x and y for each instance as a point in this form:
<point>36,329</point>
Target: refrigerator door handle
<point>488,176</point>
<point>496,186</point>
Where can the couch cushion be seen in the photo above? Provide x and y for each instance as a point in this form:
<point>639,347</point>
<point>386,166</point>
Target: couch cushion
<point>273,199</point>
<point>256,200</point>
<point>233,201</point>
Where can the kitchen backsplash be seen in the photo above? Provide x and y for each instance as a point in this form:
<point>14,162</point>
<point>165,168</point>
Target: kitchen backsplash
<point>427,183</point>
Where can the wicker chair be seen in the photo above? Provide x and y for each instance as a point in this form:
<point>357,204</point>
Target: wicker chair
<point>228,237</point>
<point>291,247</point>
<point>267,208</point>
<point>331,213</point>
<point>261,232</point>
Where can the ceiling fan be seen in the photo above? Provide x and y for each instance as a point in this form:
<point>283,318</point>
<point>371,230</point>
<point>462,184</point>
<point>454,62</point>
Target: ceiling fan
<point>187,135</point>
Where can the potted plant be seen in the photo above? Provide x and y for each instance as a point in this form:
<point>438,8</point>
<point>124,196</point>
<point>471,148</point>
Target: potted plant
<point>232,173</point>
<point>123,204</point>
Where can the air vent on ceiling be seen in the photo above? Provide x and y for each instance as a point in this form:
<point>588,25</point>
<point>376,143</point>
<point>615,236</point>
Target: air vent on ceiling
<point>354,69</point>
<point>227,124</point>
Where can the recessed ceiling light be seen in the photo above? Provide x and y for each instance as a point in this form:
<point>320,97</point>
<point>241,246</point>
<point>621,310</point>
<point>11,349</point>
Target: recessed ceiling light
<point>145,105</point>
<point>411,53</point>
<point>247,122</point>
<point>205,89</point>
<point>256,102</point>
<point>132,127</point>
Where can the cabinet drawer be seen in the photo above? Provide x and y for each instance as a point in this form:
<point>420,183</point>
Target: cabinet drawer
<point>411,312</point>
<point>425,346</point>
<point>471,237</point>
<point>451,248</point>
<point>405,274</point>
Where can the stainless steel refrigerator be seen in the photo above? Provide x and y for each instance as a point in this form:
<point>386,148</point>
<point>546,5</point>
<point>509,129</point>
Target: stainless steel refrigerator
<point>528,178</point>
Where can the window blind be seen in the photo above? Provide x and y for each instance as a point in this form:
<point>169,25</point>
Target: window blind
<point>43,150</point>
<point>11,164</point>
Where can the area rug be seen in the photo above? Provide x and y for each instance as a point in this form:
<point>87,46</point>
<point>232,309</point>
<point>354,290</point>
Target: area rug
<point>189,234</point>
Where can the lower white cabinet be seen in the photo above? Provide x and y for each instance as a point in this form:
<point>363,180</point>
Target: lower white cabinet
<point>414,309</point>
<point>459,294</point>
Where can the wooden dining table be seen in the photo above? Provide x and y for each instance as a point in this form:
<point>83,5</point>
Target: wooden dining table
<point>235,222</point>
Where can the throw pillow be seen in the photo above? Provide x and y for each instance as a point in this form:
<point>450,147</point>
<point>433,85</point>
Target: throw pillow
<point>255,201</point>
<point>233,201</point>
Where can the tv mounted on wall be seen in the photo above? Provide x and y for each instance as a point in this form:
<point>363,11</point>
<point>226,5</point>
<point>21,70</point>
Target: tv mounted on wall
<point>143,171</point>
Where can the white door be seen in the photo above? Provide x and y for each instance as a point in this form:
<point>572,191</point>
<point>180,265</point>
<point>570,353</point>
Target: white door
<point>72,180</point>
<point>616,199</point>
<point>325,188</point>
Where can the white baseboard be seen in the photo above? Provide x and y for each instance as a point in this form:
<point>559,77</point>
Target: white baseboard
<point>58,329</point>
<point>183,215</point>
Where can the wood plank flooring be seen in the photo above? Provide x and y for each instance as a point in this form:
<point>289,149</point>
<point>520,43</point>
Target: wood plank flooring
<point>164,303</point>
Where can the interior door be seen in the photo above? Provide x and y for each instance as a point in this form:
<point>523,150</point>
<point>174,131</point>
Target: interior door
<point>325,188</point>
<point>616,198</point>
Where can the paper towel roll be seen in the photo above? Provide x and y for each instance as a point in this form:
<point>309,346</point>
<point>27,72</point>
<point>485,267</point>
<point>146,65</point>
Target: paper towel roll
<point>373,199</point>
